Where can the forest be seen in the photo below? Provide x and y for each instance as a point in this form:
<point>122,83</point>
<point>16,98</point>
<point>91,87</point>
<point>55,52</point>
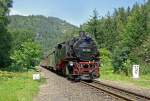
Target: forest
<point>25,40</point>
<point>122,37</point>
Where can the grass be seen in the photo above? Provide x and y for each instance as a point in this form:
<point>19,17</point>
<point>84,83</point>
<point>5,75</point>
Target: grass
<point>18,86</point>
<point>107,74</point>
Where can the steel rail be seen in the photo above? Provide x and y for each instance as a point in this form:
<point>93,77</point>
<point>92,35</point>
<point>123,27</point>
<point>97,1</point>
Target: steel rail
<point>118,92</point>
<point>124,90</point>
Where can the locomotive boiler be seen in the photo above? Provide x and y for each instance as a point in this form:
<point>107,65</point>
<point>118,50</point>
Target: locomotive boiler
<point>77,58</point>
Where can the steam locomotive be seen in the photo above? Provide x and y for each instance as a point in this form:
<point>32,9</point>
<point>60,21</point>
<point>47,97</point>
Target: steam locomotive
<point>78,59</point>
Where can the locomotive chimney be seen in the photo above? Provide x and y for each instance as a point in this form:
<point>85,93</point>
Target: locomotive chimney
<point>82,34</point>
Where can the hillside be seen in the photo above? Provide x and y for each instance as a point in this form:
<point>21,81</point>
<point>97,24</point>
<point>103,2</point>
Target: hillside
<point>49,30</point>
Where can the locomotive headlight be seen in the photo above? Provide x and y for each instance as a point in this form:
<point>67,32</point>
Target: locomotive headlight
<point>70,63</point>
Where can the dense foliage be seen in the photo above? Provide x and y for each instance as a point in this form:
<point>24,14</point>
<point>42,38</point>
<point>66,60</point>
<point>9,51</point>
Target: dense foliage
<point>18,47</point>
<point>5,37</point>
<point>25,51</point>
<point>27,55</point>
<point>125,34</point>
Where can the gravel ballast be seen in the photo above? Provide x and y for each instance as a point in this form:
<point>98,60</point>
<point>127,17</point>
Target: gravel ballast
<point>128,87</point>
<point>59,88</point>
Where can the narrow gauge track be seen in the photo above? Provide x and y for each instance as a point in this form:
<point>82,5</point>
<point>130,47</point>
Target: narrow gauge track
<point>117,92</point>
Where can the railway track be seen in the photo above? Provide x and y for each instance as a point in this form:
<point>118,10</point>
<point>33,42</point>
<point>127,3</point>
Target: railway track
<point>117,92</point>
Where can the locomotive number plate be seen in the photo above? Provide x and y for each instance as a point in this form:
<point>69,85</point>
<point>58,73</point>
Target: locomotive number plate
<point>87,50</point>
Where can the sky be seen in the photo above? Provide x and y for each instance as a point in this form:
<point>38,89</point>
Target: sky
<point>73,11</point>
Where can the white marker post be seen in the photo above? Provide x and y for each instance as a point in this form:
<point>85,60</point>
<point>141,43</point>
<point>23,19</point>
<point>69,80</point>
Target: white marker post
<point>36,76</point>
<point>135,71</point>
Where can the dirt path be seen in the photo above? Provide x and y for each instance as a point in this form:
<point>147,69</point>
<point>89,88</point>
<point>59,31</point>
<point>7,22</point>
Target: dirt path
<point>60,89</point>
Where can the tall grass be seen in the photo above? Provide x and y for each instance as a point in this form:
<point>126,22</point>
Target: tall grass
<point>18,86</point>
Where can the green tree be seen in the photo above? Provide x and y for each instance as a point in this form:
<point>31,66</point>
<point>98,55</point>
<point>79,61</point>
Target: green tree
<point>135,32</point>
<point>125,34</point>
<point>27,56</point>
<point>91,25</point>
<point>5,37</point>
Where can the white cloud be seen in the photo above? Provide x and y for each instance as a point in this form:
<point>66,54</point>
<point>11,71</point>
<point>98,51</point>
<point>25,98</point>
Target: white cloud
<point>15,12</point>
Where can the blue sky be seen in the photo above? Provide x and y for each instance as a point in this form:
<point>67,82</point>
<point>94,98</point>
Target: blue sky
<point>74,11</point>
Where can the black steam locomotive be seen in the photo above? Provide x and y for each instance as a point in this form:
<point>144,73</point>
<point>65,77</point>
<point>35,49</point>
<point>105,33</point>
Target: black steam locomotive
<point>76,59</point>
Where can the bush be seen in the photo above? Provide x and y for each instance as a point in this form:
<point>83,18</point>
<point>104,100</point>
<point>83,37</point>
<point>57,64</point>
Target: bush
<point>106,58</point>
<point>120,57</point>
<point>27,56</point>
<point>127,67</point>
